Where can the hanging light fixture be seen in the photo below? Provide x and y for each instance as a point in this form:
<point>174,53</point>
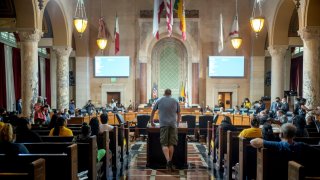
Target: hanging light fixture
<point>102,39</point>
<point>236,40</point>
<point>80,20</point>
<point>257,22</point>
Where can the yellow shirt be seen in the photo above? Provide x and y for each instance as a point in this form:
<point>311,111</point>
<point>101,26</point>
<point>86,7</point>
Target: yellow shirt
<point>247,105</point>
<point>251,133</point>
<point>63,132</point>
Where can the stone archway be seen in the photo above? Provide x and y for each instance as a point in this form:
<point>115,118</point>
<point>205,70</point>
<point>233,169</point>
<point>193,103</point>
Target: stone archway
<point>169,65</point>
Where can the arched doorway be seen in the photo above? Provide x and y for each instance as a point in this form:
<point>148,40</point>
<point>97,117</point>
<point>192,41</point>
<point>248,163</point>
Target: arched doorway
<point>169,64</point>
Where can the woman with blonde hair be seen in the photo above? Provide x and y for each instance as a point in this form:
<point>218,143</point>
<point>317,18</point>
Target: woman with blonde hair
<point>7,145</point>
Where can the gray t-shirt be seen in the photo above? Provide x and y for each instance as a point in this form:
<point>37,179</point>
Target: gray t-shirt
<point>168,108</point>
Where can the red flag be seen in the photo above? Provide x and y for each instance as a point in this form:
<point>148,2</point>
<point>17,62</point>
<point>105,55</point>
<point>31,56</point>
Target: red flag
<point>116,36</point>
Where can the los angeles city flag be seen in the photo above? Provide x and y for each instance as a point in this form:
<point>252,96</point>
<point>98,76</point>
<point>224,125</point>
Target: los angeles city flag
<point>116,36</point>
<point>179,5</point>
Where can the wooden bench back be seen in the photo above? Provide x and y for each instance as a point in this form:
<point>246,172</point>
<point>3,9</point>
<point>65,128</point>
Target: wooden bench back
<point>30,171</point>
<point>62,166</point>
<point>87,153</point>
<point>232,156</point>
<point>272,164</point>
<point>247,160</point>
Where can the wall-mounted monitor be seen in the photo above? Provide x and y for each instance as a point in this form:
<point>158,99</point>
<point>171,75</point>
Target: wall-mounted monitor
<point>226,66</point>
<point>112,66</point>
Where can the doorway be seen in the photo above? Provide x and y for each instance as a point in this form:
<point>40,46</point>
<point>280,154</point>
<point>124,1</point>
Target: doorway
<point>116,96</point>
<point>226,99</point>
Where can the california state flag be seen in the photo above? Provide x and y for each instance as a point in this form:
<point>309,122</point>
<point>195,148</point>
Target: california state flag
<point>116,36</point>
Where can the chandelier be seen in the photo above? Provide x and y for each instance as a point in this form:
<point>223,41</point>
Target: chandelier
<point>236,40</point>
<point>257,22</point>
<point>80,19</point>
<point>102,39</point>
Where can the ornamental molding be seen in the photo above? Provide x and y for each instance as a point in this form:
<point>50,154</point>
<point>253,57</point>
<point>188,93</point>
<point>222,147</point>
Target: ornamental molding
<point>278,50</point>
<point>30,36</point>
<point>309,33</point>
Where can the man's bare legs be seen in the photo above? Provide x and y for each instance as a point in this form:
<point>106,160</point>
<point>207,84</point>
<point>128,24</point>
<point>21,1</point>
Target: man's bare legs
<point>171,150</point>
<point>165,150</point>
<point>168,153</point>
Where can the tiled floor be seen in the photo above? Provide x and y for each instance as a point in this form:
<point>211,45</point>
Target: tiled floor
<point>199,168</point>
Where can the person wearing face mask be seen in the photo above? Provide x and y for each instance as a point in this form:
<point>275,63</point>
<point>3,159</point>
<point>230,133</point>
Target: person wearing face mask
<point>275,106</point>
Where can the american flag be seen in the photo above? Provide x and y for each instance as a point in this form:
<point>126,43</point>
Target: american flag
<point>154,93</point>
<point>169,15</point>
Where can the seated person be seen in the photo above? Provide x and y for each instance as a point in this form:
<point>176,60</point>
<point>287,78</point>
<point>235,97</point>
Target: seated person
<point>246,104</point>
<point>221,109</point>
<point>300,124</point>
<point>236,110</point>
<point>281,117</point>
<point>104,126</point>
<point>260,106</point>
<point>84,137</point>
<point>7,145</point>
<point>267,133</point>
<point>225,125</point>
<point>207,109</point>
<point>252,132</point>
<point>263,117</point>
<point>94,124</point>
<point>24,133</point>
<point>310,122</point>
<point>60,129</point>
<point>287,133</point>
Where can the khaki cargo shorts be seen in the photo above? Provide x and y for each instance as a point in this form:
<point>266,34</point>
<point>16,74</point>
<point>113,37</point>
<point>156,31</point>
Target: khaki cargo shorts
<point>168,136</point>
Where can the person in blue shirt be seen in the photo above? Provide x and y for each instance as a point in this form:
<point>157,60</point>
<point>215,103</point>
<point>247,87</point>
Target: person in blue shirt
<point>287,143</point>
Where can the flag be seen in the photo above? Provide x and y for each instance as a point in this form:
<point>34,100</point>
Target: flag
<point>186,92</point>
<point>235,27</point>
<point>157,9</point>
<point>182,90</point>
<point>154,91</point>
<point>116,36</point>
<point>179,6</point>
<point>169,15</point>
<point>221,43</point>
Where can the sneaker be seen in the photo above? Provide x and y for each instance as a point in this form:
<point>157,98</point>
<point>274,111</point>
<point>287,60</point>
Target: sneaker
<point>170,166</point>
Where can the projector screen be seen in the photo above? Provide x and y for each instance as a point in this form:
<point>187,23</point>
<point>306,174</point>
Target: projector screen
<point>226,66</point>
<point>112,66</point>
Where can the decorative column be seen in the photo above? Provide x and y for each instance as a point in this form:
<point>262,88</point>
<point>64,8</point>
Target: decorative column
<point>277,53</point>
<point>29,69</point>
<point>82,80</point>
<point>257,77</point>
<point>311,60</point>
<point>143,83</point>
<point>62,54</point>
<point>195,83</point>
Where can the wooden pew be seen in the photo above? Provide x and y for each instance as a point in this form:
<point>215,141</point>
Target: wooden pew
<point>21,170</point>
<point>308,140</point>
<point>107,161</point>
<point>67,162</point>
<point>232,156</point>
<point>222,149</point>
<point>272,164</point>
<point>212,147</point>
<point>87,153</point>
<point>114,148</point>
<point>247,158</point>
<point>76,120</point>
<point>57,138</point>
<point>297,171</point>
<point>45,132</point>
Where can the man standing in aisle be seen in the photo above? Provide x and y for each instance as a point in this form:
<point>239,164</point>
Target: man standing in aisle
<point>169,118</point>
